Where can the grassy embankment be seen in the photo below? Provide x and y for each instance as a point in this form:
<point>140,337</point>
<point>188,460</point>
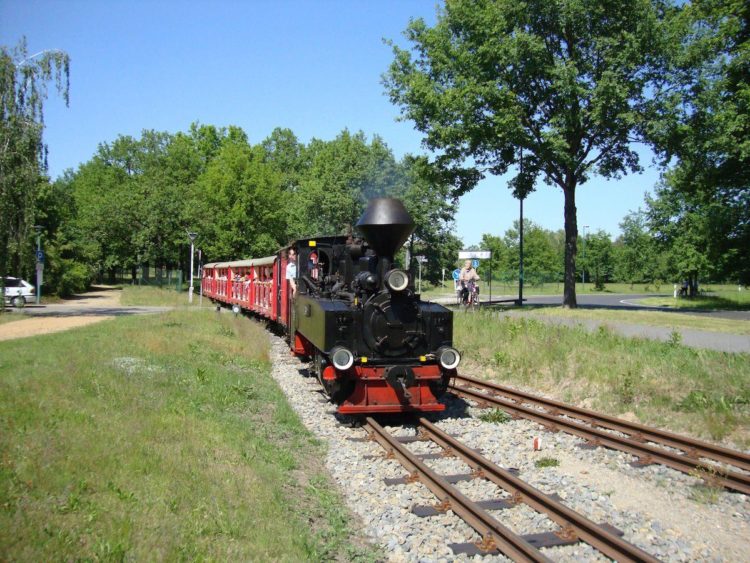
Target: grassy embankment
<point>159,437</point>
<point>156,297</point>
<point>698,391</point>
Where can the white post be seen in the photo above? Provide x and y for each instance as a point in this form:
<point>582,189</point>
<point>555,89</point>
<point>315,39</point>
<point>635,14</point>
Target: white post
<point>191,236</point>
<point>190,296</point>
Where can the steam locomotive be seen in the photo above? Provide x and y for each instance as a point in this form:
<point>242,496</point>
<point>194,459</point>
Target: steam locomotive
<point>373,344</point>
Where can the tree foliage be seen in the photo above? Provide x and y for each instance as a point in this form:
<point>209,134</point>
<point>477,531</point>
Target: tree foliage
<point>135,200</point>
<point>23,163</point>
<point>703,121</point>
<point>557,89</point>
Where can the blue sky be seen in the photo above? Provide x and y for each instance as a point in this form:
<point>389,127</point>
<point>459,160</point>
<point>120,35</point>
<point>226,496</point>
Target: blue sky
<point>312,66</point>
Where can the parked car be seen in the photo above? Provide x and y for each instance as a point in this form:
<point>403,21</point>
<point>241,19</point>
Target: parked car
<point>18,292</point>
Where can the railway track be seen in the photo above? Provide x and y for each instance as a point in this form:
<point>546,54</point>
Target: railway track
<point>573,527</point>
<point>649,445</point>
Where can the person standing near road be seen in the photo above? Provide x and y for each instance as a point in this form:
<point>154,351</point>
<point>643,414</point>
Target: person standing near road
<point>291,271</point>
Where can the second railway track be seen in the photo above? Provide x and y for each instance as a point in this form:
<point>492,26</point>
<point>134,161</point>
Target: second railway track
<point>649,445</point>
<point>496,537</point>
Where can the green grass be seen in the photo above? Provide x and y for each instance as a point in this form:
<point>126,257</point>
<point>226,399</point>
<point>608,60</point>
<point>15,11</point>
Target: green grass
<point>699,391</point>
<point>9,317</point>
<point>495,416</point>
<point>547,462</point>
<point>157,297</point>
<point>715,301</point>
<point>651,318</point>
<point>511,289</point>
<point>159,437</point>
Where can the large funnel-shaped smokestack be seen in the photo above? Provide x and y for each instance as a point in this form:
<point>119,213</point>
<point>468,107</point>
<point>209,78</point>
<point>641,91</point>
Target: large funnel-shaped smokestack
<point>386,224</point>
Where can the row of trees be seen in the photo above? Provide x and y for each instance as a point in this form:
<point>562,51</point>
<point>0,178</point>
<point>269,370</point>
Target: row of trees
<point>559,91</point>
<point>647,251</point>
<point>134,202</point>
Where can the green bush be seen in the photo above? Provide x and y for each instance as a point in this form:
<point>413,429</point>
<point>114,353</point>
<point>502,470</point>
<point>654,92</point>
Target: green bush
<point>75,278</point>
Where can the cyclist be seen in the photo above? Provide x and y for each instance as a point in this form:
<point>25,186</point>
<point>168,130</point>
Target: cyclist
<point>468,280</point>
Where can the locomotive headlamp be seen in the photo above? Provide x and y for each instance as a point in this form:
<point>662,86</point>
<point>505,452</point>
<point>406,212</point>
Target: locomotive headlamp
<point>397,280</point>
<point>449,358</point>
<point>341,358</point>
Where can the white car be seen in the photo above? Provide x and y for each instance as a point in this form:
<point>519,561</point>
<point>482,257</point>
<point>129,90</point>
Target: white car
<point>18,292</point>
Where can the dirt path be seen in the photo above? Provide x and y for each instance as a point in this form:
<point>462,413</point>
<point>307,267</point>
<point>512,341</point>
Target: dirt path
<point>34,326</point>
<point>70,313</point>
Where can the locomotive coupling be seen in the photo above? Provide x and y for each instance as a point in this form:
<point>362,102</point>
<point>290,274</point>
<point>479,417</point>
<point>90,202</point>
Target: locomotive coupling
<point>400,378</point>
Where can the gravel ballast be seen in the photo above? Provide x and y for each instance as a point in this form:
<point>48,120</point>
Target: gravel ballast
<point>660,510</point>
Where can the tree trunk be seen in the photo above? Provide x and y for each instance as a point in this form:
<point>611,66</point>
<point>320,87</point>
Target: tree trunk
<point>571,245</point>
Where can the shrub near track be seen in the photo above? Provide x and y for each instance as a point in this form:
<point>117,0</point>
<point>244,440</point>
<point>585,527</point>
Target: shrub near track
<point>669,385</point>
<point>159,437</point>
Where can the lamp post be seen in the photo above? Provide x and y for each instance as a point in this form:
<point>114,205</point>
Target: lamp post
<point>583,268</point>
<point>420,260</point>
<point>39,263</point>
<point>192,237</point>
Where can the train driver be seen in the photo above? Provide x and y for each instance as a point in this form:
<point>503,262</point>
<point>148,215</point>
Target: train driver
<point>291,271</point>
<point>312,265</point>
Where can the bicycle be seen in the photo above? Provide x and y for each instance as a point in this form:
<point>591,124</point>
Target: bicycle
<point>469,294</point>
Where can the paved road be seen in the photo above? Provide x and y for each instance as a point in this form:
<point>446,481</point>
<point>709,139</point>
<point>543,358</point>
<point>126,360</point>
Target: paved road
<point>55,310</point>
<point>704,339</point>
<point>616,301</point>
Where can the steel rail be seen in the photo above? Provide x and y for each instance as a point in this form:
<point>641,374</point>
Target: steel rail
<point>646,453</point>
<point>693,448</point>
<point>595,535</point>
<point>494,534</point>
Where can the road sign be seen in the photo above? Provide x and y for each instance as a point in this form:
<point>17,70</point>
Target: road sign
<point>456,274</point>
<point>40,256</point>
<point>466,254</point>
<point>475,263</point>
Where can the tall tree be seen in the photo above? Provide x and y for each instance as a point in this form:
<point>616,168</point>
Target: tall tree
<point>23,155</point>
<point>703,120</point>
<point>559,86</point>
